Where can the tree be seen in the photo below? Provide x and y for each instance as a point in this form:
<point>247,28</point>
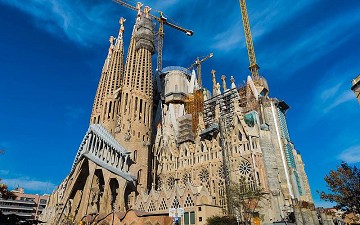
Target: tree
<point>221,220</point>
<point>244,198</point>
<point>344,187</point>
<point>4,192</point>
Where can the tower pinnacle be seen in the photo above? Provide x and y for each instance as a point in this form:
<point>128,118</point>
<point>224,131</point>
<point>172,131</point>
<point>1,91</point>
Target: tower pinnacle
<point>121,30</point>
<point>213,72</point>
<point>223,78</point>
<point>105,105</point>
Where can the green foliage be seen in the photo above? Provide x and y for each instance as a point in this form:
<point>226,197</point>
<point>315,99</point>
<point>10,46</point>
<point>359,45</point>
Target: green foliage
<point>221,220</point>
<point>344,187</point>
<point>4,192</point>
<point>67,220</point>
<point>245,198</point>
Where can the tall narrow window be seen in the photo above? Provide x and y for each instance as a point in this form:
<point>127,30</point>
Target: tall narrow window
<point>105,110</point>
<point>145,112</point>
<point>126,99</point>
<point>135,155</point>
<point>140,109</point>
<point>139,177</point>
<point>108,114</point>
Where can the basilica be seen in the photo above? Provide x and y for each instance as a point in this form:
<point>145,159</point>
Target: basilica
<point>160,140</point>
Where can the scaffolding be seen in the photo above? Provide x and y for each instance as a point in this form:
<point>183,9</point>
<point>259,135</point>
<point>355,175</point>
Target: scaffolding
<point>247,100</point>
<point>194,104</point>
<point>185,131</point>
<point>225,102</point>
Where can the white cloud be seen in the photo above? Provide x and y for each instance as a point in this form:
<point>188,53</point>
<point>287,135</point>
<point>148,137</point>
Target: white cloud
<point>330,96</point>
<point>345,96</point>
<point>350,155</point>
<point>230,38</point>
<point>30,184</point>
<point>273,13</point>
<point>75,20</point>
<point>330,92</point>
<point>313,43</point>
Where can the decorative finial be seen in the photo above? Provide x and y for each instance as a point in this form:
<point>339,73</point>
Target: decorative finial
<point>232,80</point>
<point>147,10</point>
<point>218,91</point>
<point>111,40</point>
<point>121,21</point>
<point>213,72</point>
<point>138,7</point>
<point>223,78</point>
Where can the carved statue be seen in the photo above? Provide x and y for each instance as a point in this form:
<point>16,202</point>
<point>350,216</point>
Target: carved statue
<point>94,200</point>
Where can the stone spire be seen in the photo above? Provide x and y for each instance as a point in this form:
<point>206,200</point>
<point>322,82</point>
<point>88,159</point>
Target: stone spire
<point>137,95</point>
<point>98,102</point>
<point>232,80</point>
<point>105,104</point>
<point>213,72</point>
<point>223,78</point>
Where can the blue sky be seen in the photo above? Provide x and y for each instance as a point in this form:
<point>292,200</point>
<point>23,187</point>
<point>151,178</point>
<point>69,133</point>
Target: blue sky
<point>52,53</point>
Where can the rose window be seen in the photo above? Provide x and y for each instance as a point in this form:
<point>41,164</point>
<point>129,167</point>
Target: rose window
<point>204,175</point>
<point>245,168</point>
<point>171,182</point>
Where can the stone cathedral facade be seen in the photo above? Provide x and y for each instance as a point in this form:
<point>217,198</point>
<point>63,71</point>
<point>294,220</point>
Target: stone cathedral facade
<point>161,141</point>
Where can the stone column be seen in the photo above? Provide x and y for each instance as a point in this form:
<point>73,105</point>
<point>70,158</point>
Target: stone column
<point>106,198</point>
<point>329,220</point>
<point>308,217</point>
<point>86,192</point>
<point>315,217</point>
<point>323,218</point>
<point>298,216</point>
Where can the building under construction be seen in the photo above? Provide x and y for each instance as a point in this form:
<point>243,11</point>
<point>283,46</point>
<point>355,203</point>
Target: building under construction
<point>161,141</point>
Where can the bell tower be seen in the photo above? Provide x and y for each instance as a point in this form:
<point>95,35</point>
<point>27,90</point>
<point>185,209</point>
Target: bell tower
<point>137,97</point>
<point>105,108</point>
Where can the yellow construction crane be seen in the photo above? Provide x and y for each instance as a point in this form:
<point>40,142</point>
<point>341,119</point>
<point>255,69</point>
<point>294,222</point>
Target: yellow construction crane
<point>162,21</point>
<point>197,63</point>
<point>254,68</point>
<point>260,82</point>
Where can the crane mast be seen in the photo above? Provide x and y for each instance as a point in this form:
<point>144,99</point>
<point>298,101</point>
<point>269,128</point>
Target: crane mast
<point>162,21</point>
<point>160,41</point>
<point>254,68</point>
<point>197,63</point>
